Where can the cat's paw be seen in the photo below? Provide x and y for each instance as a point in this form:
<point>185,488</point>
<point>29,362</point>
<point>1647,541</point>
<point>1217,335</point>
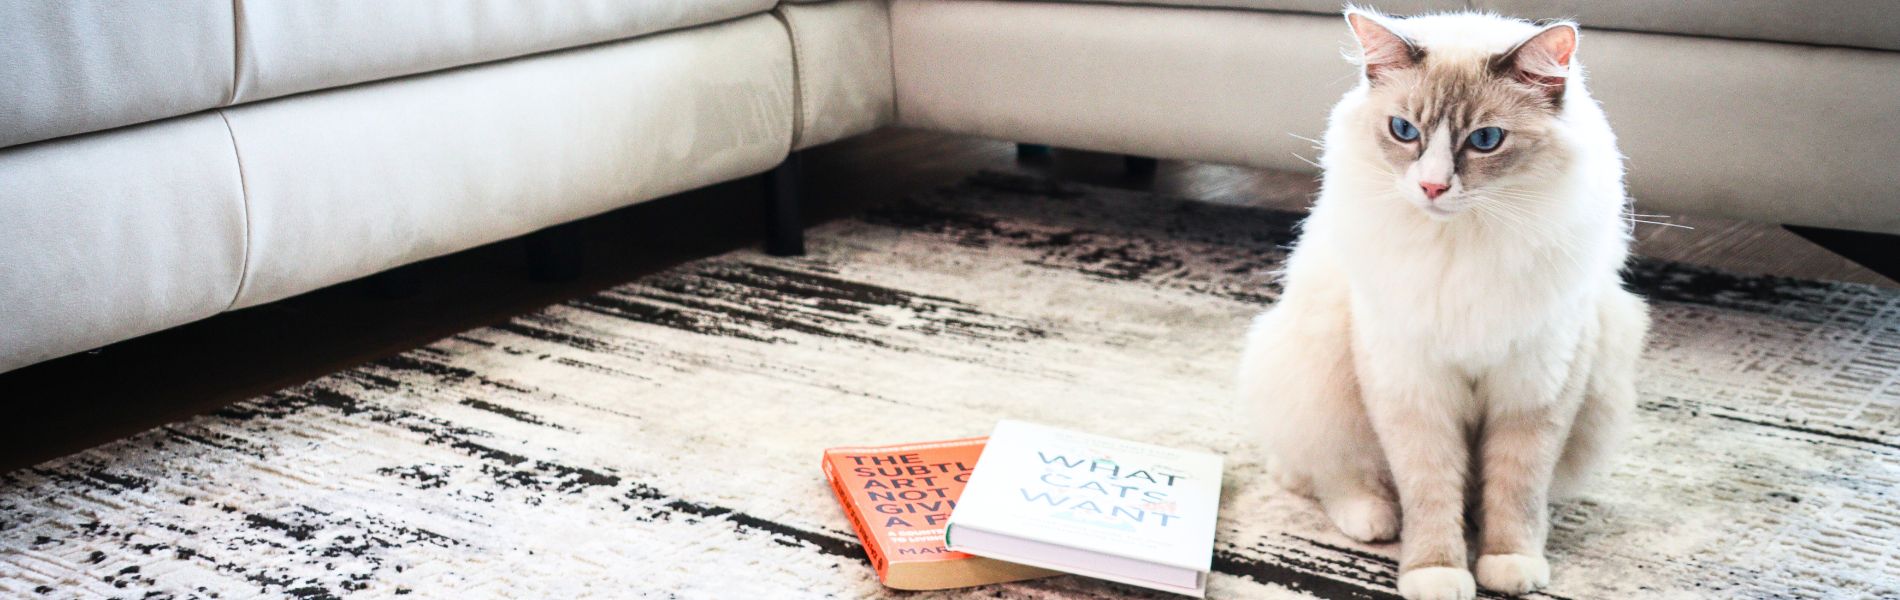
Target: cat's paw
<point>1437,583</point>
<point>1288,478</point>
<point>1366,518</point>
<point>1513,573</point>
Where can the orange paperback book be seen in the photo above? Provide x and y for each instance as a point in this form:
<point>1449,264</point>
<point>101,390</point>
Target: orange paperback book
<point>899,497</point>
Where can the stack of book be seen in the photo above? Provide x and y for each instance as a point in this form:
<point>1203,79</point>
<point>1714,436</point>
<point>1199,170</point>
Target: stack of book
<point>1031,501</point>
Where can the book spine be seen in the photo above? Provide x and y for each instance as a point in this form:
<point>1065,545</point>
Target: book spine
<point>858,525</point>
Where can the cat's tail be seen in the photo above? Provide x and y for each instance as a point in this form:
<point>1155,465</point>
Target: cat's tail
<point>1300,397</point>
<point>1599,429</point>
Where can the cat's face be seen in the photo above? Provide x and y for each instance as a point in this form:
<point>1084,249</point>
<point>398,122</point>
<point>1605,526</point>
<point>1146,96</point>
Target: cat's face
<point>1455,128</point>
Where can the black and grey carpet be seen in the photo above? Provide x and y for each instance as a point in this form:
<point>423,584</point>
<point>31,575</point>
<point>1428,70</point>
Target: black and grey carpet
<point>661,439</point>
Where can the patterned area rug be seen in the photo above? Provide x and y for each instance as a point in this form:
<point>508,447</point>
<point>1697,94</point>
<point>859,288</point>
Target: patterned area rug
<point>662,439</point>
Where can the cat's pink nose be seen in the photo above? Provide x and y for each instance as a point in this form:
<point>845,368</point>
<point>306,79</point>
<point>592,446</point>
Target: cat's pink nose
<point>1432,190</point>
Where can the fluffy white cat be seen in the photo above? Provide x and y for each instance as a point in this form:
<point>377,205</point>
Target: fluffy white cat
<point>1454,339</point>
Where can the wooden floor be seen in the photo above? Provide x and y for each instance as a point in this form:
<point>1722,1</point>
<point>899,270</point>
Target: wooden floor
<point>73,403</point>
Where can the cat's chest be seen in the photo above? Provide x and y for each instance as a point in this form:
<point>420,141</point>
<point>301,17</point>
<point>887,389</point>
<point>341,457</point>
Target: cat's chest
<point>1474,300</point>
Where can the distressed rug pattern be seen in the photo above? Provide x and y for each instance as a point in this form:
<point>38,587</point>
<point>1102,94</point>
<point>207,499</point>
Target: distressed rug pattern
<point>661,439</point>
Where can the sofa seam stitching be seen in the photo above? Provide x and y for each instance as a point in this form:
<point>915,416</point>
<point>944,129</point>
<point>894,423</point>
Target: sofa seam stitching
<point>890,51</point>
<point>798,80</point>
<point>890,10</point>
<point>244,194</point>
<point>237,56</point>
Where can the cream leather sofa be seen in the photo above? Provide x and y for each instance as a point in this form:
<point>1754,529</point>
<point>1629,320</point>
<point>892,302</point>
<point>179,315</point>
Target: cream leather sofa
<point>162,161</point>
<point>167,160</point>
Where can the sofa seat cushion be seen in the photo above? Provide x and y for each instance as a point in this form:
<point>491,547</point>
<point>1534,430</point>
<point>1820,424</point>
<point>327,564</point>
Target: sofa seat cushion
<point>74,66</point>
<point>117,234</point>
<point>347,182</point>
<point>844,68</point>
<point>290,47</point>
<point>1856,23</point>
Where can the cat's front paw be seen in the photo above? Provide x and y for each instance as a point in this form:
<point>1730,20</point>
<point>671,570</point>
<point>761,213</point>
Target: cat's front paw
<point>1366,518</point>
<point>1437,583</point>
<point>1513,573</point>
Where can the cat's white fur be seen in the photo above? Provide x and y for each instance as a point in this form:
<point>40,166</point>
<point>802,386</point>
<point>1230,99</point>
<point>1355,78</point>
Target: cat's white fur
<point>1433,360</point>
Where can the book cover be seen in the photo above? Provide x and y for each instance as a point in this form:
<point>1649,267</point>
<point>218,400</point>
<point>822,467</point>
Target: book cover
<point>1093,505</point>
<point>898,499</point>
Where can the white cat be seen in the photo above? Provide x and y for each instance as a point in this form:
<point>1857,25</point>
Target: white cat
<point>1454,338</point>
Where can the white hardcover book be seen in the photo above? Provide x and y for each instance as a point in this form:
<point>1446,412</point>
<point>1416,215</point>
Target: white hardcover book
<point>1124,511</point>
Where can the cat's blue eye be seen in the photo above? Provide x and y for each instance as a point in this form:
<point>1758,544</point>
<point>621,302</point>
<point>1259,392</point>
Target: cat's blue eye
<point>1403,130</point>
<point>1487,139</point>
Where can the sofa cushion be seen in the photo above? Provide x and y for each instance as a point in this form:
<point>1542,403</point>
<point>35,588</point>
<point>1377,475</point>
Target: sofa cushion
<point>1858,23</point>
<point>347,182</point>
<point>290,47</point>
<point>116,234</point>
<point>844,68</point>
<point>73,66</point>
<point>1216,86</point>
<point>1773,133</point>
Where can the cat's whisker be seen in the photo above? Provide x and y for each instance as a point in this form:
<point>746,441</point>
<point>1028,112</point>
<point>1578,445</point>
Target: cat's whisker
<point>1526,205</point>
<point>1380,168</point>
<point>1519,216</point>
<point>1675,225</point>
<point>1523,192</point>
<point>1515,219</point>
<point>1492,201</point>
<point>1634,217</point>
<point>1542,227</point>
<point>1531,201</point>
<point>1534,197</point>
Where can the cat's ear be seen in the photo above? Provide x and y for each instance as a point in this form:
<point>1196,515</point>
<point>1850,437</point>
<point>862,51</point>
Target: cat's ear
<point>1543,61</point>
<point>1380,50</point>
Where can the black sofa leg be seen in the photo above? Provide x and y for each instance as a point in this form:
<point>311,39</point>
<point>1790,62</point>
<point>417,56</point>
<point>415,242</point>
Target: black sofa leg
<point>785,232</point>
<point>1028,151</point>
<point>1879,252</point>
<point>1140,167</point>
<point>554,254</point>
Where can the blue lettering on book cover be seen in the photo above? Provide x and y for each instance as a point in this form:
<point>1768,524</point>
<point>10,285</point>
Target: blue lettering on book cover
<point>1097,491</point>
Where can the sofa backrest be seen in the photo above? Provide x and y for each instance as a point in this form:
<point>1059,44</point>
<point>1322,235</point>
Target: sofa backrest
<point>1872,24</point>
<point>77,66</point>
<point>74,66</point>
